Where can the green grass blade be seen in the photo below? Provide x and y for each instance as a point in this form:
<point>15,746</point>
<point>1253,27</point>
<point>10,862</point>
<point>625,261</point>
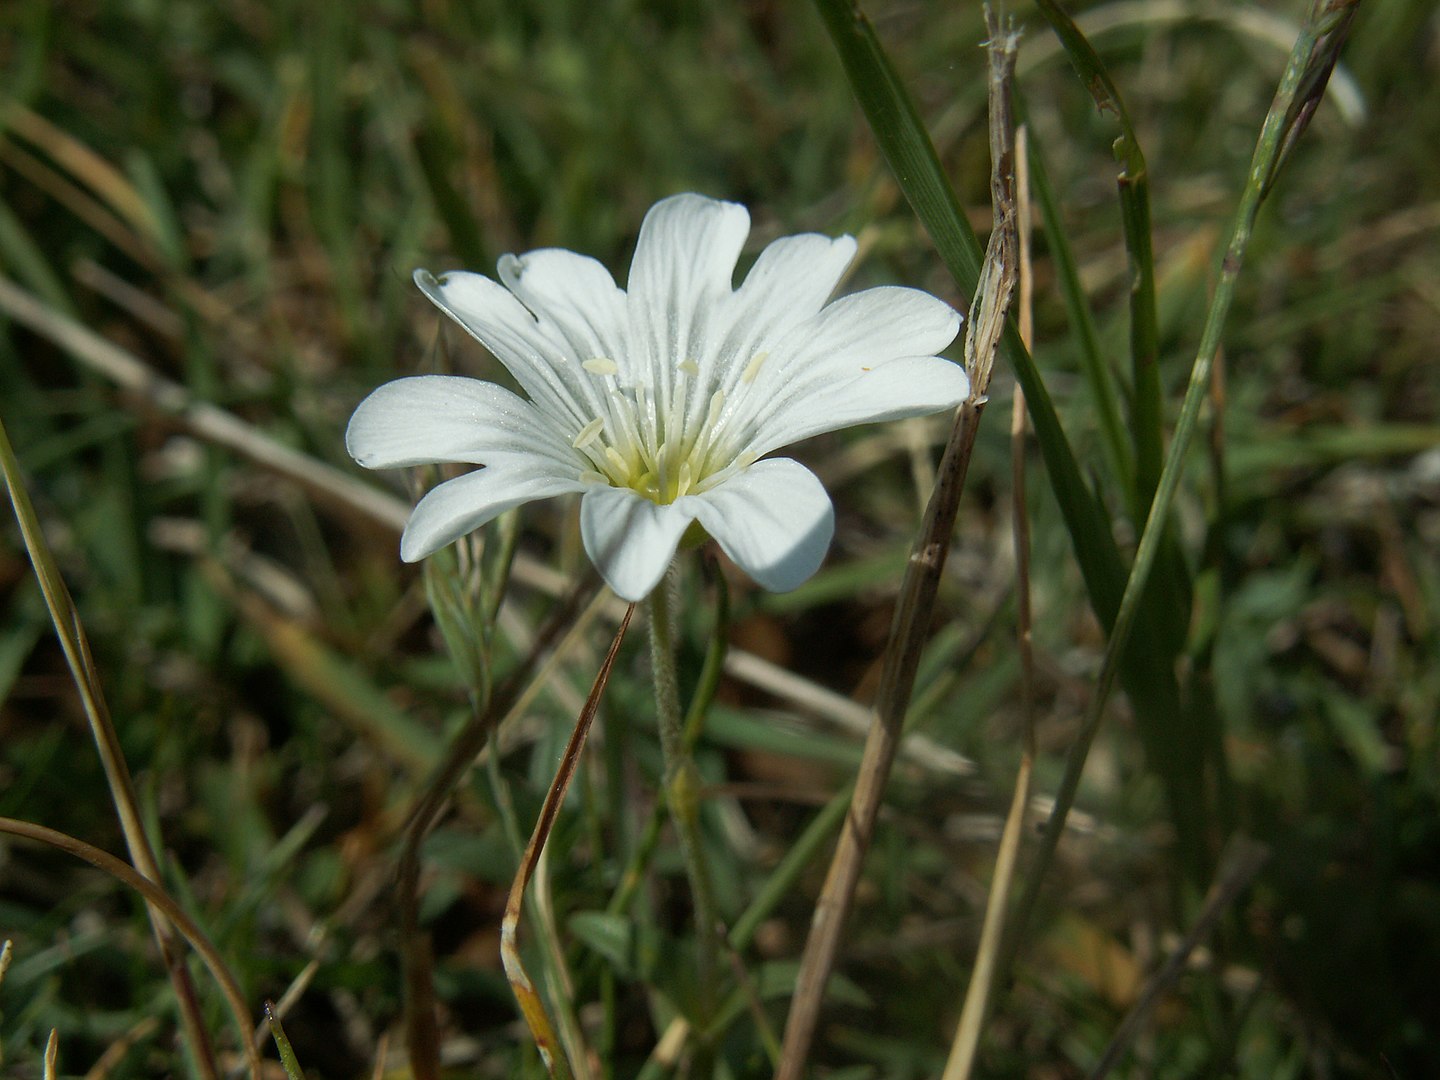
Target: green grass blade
<point>783,878</point>
<point>1171,744</point>
<point>1082,324</point>
<point>1147,671</point>
<point>1134,184</point>
<point>912,158</point>
<point>282,1044</point>
<point>1320,38</point>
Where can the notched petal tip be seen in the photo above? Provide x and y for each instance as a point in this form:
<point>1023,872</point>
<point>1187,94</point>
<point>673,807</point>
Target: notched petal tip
<point>687,249</point>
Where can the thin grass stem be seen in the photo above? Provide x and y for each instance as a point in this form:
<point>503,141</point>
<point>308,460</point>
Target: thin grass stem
<point>914,608</point>
<point>682,795</point>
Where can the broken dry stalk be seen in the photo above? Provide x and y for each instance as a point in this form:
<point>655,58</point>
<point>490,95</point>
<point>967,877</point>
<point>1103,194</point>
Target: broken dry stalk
<point>531,1005</point>
<point>980,992</point>
<point>910,628</point>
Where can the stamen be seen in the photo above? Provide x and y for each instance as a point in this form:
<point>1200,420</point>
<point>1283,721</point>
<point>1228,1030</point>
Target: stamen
<point>753,368</point>
<point>689,367</point>
<point>601,365</point>
<point>588,433</point>
<point>717,403</point>
<point>622,467</point>
<point>590,476</point>
<point>687,477</point>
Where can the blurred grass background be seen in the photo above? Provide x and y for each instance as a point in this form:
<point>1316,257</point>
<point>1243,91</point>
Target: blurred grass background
<point>237,193</point>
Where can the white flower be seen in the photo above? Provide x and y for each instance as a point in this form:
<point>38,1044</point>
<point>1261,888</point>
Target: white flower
<point>659,402</point>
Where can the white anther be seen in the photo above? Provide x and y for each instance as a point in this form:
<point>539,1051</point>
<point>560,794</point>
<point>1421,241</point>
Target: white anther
<point>588,433</point>
<point>752,369</point>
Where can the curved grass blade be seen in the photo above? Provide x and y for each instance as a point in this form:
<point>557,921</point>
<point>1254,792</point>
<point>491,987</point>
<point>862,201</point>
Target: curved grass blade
<point>157,898</point>
<point>86,677</point>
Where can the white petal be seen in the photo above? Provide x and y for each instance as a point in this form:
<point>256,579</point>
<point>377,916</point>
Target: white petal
<point>791,280</point>
<point>574,298</point>
<point>500,322</point>
<point>462,505</point>
<point>789,283</point>
<point>773,519</point>
<point>430,418</point>
<point>679,288</point>
<point>862,331</point>
<point>687,249</point>
<point>911,386</point>
<point>630,539</point>
<point>837,370</point>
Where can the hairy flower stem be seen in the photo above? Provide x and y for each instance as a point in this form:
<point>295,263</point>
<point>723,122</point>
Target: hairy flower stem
<point>682,794</point>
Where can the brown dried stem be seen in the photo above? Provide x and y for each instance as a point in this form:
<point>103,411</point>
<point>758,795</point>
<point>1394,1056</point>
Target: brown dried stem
<point>910,628</point>
<point>531,1004</point>
<point>422,1035</point>
<point>982,979</point>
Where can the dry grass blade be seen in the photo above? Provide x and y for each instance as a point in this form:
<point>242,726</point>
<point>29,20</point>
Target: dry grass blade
<point>982,979</point>
<point>422,1036</point>
<point>1243,859</point>
<point>115,1053</point>
<point>52,1054</point>
<point>160,900</point>
<point>907,633</point>
<point>76,646</point>
<point>531,1004</point>
<point>208,422</point>
<point>83,163</point>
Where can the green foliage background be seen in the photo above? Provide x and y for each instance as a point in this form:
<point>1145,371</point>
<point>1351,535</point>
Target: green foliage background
<point>237,193</point>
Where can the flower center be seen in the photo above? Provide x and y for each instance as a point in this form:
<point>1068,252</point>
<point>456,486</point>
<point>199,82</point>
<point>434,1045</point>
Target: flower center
<point>664,441</point>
